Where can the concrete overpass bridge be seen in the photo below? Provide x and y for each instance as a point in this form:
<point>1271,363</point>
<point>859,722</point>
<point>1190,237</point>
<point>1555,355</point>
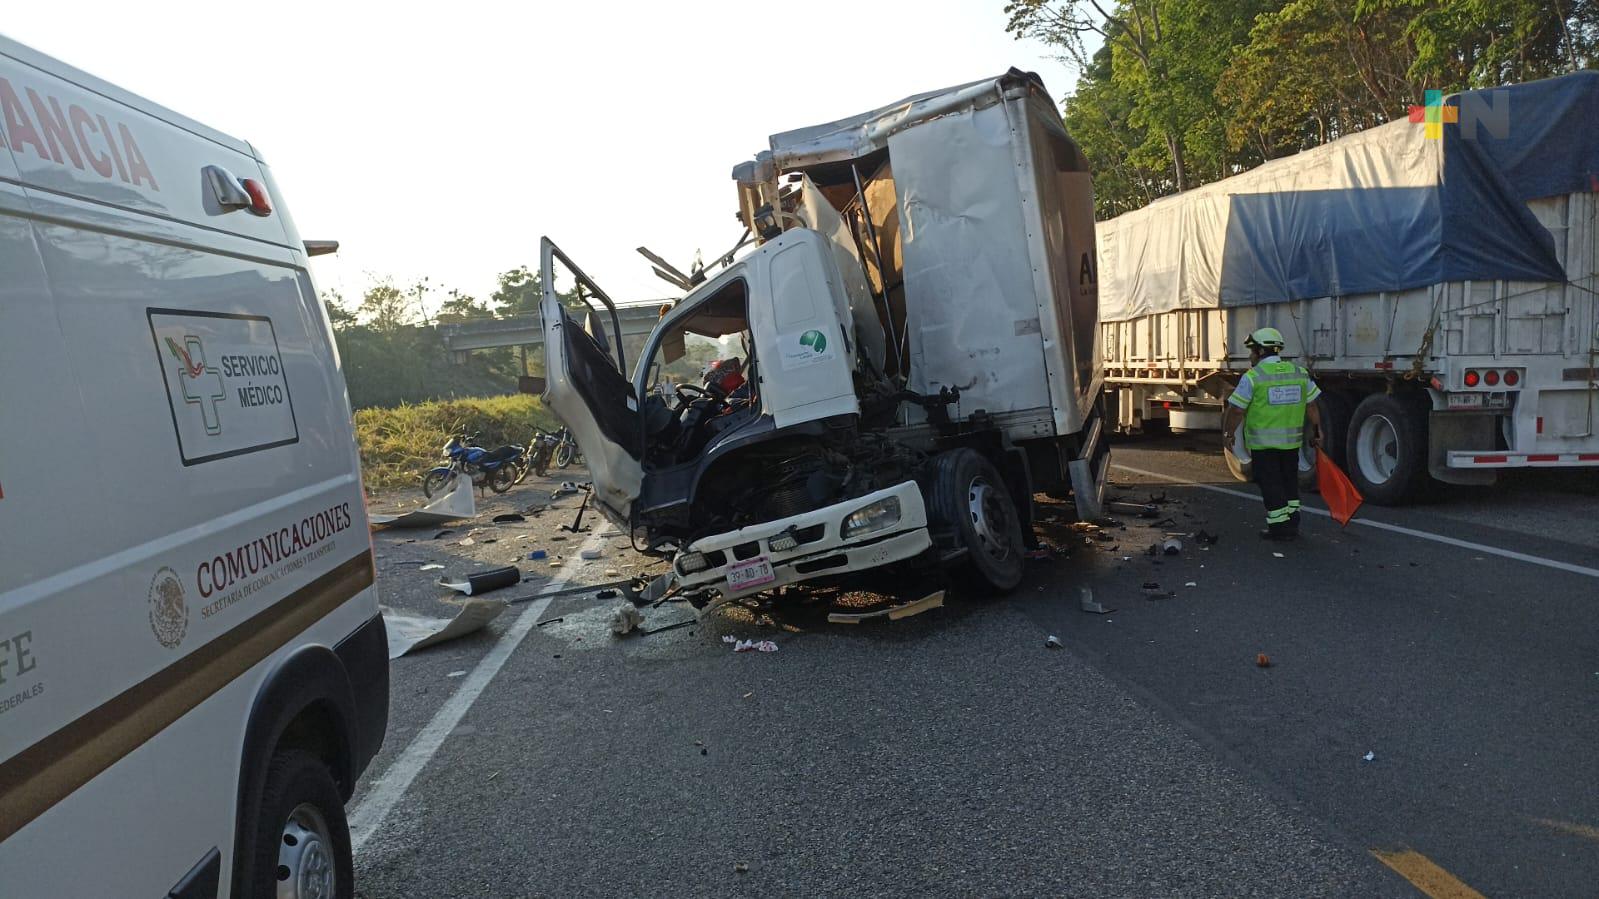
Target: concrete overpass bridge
<point>461,338</point>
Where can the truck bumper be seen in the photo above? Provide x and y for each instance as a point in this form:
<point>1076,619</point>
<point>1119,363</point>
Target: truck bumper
<point>822,549</point>
<point>1089,469</point>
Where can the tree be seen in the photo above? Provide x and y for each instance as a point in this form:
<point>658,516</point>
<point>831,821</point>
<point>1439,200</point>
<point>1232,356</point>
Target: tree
<point>338,314</point>
<point>386,308</point>
<point>462,307</point>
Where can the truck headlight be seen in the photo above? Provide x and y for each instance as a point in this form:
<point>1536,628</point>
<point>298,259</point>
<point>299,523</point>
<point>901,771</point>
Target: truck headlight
<point>688,563</point>
<point>872,518</point>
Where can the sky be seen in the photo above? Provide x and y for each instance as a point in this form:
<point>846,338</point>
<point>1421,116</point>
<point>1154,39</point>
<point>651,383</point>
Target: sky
<point>443,140</point>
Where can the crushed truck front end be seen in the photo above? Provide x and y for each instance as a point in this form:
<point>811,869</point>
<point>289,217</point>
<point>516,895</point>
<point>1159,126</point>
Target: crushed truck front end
<point>866,532</point>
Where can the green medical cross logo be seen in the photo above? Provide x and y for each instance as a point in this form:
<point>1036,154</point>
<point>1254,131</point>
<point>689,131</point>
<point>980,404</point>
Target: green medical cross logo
<point>201,383</point>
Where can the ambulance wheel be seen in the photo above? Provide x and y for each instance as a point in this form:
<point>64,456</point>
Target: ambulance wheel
<point>302,840</point>
<point>969,498</point>
<point>1386,449</point>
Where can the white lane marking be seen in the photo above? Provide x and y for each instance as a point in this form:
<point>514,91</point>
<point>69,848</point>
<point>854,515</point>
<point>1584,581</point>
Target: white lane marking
<point>1384,526</point>
<point>390,788</point>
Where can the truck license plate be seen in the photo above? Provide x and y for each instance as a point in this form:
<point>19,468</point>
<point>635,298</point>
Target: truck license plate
<point>750,573</point>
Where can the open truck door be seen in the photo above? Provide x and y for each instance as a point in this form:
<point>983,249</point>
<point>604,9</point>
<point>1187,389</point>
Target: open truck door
<point>586,385</point>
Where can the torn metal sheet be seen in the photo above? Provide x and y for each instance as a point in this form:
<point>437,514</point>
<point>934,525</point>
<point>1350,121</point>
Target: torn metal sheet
<point>411,632</point>
<point>455,505</point>
<point>484,581</point>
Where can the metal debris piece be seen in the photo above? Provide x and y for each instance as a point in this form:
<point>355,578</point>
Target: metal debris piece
<point>1052,642</point>
<point>1085,600</point>
<point>1369,757</point>
<point>484,581</point>
<point>1171,546</point>
<point>431,566</point>
<point>1278,556</point>
<point>410,632</point>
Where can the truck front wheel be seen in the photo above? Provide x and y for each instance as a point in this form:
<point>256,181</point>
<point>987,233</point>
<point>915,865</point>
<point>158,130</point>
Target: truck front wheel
<point>970,498</point>
<point>1386,449</point>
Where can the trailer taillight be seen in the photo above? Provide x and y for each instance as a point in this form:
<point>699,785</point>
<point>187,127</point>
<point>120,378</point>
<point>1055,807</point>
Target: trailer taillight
<point>1491,378</point>
<point>1472,379</point>
<point>1512,378</point>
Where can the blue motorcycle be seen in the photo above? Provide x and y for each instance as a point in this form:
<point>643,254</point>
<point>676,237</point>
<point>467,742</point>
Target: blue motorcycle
<point>497,469</point>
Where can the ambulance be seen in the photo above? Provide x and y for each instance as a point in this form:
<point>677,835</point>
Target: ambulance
<point>193,671</point>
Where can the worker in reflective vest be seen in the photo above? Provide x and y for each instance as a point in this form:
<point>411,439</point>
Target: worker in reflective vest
<point>1274,399</point>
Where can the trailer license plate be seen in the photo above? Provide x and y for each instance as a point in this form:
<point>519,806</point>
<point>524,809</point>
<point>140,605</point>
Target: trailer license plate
<point>749,573</point>
<point>1465,400</point>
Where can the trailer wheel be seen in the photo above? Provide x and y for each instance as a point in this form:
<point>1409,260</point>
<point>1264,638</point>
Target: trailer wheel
<point>970,498</point>
<point>1386,449</point>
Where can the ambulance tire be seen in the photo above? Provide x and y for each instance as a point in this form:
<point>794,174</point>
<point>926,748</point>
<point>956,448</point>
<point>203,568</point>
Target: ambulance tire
<point>1386,449</point>
<point>970,499</point>
<point>301,831</point>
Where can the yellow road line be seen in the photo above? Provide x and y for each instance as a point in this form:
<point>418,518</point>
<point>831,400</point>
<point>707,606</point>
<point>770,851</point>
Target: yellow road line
<point>1579,830</point>
<point>1424,875</point>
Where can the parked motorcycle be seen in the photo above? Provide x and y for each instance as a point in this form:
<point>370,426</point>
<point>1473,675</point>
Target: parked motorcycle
<point>539,454</point>
<point>498,469</point>
<point>566,451</point>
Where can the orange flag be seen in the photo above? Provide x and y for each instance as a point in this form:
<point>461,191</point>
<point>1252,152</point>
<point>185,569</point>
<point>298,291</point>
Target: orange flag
<point>1342,499</point>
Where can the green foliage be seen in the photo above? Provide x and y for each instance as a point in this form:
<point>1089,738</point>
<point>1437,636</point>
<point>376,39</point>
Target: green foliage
<point>1175,93</point>
<point>399,444</point>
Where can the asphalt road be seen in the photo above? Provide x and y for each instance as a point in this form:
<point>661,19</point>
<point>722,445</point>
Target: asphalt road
<point>954,754</point>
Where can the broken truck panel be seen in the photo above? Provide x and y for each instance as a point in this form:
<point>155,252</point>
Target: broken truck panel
<point>913,313</point>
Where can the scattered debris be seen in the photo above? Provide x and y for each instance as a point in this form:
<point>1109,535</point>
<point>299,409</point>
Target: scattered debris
<point>740,868</point>
<point>1369,757</point>
<point>431,566</point>
<point>750,645</point>
<point>1085,600</point>
<point>444,533</point>
<point>467,542</point>
<point>892,613</point>
<point>508,518</point>
<point>411,632</point>
<point>567,488</point>
<point>670,627</point>
<point>1139,509</point>
<point>1052,642</point>
<point>1278,556</point>
<point>1262,660</point>
<point>1154,548</point>
<point>612,572</point>
<point>537,555</point>
<point>1191,584</point>
<point>1039,554</point>
<point>625,619</point>
<point>1152,591</point>
<point>1171,546</point>
<point>460,673</point>
<point>607,594</point>
<point>550,621</point>
<point>484,581</point>
<point>451,506</point>
<point>748,695</point>
<point>1204,538</point>
<point>591,554</point>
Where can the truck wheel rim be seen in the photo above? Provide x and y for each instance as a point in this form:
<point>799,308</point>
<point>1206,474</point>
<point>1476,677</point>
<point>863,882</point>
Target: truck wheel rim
<point>990,519</point>
<point>1377,449</point>
<point>305,856</point>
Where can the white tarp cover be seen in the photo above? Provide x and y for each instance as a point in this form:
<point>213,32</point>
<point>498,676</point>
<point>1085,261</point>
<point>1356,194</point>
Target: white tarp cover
<point>1169,254</point>
<point>1387,209</point>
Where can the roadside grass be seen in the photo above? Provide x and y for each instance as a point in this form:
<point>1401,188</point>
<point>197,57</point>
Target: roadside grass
<point>398,444</point>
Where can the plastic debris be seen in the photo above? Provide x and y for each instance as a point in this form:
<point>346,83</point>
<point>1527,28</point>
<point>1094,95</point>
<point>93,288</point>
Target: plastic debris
<point>537,555</point>
<point>591,554</point>
<point>1278,556</point>
<point>550,621</point>
<point>431,566</point>
<point>567,488</point>
<point>612,572</point>
<point>467,542</point>
<point>740,868</point>
<point>1085,601</point>
<point>750,645</point>
<point>484,581</point>
<point>1052,642</point>
<point>1171,546</point>
<point>1369,757</point>
<point>625,619</point>
<point>1191,584</point>
<point>460,673</point>
<point>1262,660</point>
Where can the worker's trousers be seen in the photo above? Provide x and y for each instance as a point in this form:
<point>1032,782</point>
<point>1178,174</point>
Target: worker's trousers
<point>1277,473</point>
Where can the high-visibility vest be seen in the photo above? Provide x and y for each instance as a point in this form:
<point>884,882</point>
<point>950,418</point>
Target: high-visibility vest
<point>1275,418</point>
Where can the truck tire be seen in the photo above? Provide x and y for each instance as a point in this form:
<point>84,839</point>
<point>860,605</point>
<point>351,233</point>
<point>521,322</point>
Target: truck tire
<point>1386,449</point>
<point>1336,409</point>
<point>970,499</point>
<point>302,840</point>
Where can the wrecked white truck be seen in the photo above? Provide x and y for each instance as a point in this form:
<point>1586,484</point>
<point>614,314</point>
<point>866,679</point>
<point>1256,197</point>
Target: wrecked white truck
<point>909,330</point>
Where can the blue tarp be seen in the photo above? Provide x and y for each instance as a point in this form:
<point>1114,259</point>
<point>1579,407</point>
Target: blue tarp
<point>1507,146</point>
